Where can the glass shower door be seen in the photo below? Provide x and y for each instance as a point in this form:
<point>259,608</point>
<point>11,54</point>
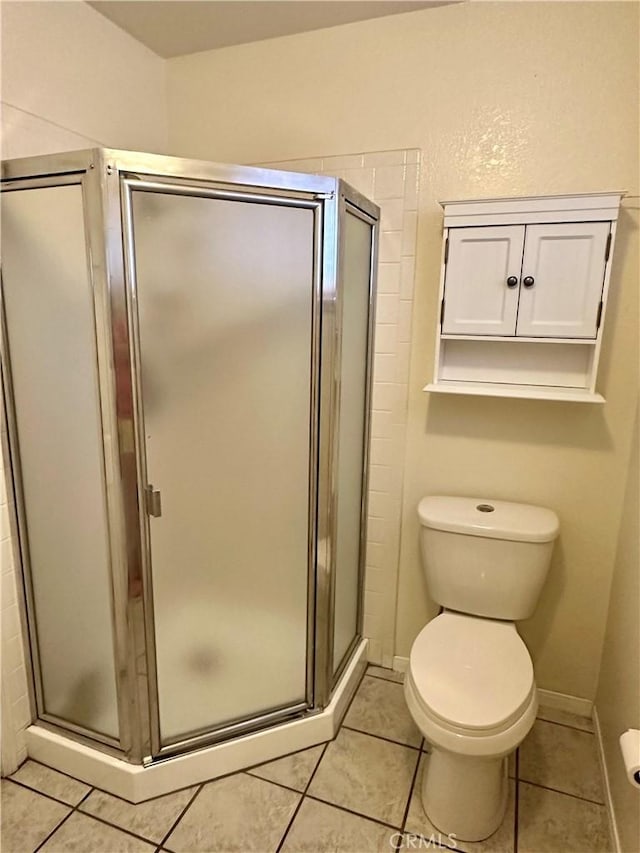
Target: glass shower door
<point>224,291</point>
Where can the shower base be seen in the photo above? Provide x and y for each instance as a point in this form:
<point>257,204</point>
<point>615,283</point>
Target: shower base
<point>136,783</point>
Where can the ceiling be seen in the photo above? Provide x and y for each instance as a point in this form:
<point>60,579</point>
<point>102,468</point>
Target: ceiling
<point>175,27</point>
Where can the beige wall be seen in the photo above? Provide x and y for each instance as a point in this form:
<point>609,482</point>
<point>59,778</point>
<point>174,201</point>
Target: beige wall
<point>503,99</point>
<point>70,79</point>
<point>618,697</point>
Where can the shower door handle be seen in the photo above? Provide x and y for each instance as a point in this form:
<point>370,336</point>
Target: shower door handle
<point>153,501</point>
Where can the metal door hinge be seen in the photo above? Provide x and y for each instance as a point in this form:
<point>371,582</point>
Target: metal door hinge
<point>441,313</point>
<point>153,501</point>
<point>446,250</point>
<point>599,317</point>
<point>607,251</point>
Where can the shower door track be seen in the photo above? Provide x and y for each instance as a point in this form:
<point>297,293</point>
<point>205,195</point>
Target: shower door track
<point>227,732</point>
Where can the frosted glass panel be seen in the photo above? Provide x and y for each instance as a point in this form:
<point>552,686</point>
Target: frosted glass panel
<point>353,378</point>
<point>51,338</point>
<point>225,310</point>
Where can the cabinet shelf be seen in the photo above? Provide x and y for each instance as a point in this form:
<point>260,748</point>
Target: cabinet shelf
<point>523,296</point>
<point>519,339</point>
<point>524,392</point>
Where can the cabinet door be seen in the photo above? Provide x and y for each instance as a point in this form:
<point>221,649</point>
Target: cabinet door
<point>478,300</point>
<point>562,279</point>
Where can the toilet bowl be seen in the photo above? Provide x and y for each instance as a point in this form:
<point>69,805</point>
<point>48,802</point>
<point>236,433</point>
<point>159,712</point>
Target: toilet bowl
<point>470,689</point>
<point>470,686</point>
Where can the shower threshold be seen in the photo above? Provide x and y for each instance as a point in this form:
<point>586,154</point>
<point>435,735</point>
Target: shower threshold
<point>136,783</point>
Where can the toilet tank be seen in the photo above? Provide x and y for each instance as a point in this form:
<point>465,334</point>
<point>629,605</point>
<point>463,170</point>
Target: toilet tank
<point>485,557</point>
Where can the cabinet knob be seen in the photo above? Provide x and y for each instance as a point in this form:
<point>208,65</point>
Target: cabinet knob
<point>512,281</point>
<point>528,281</point>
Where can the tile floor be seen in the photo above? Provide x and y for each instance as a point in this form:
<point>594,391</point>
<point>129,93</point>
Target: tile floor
<point>357,794</point>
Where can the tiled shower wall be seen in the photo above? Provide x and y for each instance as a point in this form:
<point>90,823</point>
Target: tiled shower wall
<point>390,178</point>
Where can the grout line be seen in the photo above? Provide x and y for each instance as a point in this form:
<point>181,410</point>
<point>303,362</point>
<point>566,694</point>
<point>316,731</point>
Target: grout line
<point>420,749</point>
<point>165,837</point>
<point>158,796</point>
<point>249,769</point>
<point>116,826</point>
<point>351,811</point>
<point>284,755</point>
<point>64,820</point>
<point>567,726</point>
<point>301,800</point>
<point>53,832</point>
<point>370,674</point>
<point>203,782</point>
<point>272,782</point>
<point>564,793</point>
<point>381,737</point>
<point>409,798</point>
<point>49,767</point>
<point>306,794</point>
<point>44,794</point>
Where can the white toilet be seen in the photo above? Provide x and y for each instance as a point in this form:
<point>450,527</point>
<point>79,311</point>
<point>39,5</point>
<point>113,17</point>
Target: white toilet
<point>470,685</point>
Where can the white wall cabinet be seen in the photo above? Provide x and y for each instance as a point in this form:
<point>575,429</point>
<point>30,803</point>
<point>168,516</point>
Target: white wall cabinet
<point>562,279</point>
<point>523,295</point>
<point>483,271</point>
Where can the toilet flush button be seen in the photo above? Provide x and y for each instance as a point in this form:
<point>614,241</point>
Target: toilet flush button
<point>485,508</point>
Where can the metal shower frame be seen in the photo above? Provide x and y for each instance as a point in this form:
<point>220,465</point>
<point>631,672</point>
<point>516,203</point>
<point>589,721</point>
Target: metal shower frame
<point>107,177</point>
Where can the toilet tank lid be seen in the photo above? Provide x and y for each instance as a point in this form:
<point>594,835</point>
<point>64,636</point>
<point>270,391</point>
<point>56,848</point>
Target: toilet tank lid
<point>492,519</point>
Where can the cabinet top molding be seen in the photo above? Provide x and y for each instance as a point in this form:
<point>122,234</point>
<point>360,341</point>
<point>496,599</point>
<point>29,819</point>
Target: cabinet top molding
<point>582,207</point>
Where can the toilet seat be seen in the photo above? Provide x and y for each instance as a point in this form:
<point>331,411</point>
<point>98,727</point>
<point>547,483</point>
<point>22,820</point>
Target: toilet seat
<point>471,676</point>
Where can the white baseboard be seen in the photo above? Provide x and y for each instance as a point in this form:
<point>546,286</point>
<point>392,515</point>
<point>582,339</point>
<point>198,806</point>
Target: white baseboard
<point>136,783</point>
<point>400,664</point>
<point>613,826</point>
<point>565,702</point>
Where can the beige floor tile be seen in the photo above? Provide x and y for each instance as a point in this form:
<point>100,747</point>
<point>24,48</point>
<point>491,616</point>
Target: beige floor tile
<point>383,672</point>
<point>294,771</point>
<point>151,820</point>
<point>320,828</point>
<point>27,818</point>
<point>561,758</point>
<point>549,822</point>
<point>502,841</point>
<point>576,721</point>
<point>83,834</point>
<point>367,775</point>
<point>49,781</point>
<point>379,708</point>
<point>240,813</point>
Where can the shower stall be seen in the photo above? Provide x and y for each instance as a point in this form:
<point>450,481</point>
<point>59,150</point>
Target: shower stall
<point>187,358</point>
